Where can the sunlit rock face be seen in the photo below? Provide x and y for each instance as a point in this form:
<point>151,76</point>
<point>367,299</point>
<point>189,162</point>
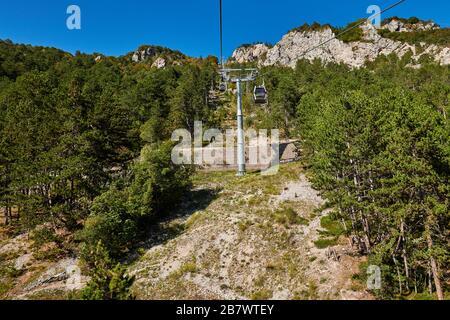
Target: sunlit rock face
<point>159,63</point>
<point>250,53</point>
<point>141,55</point>
<point>297,45</point>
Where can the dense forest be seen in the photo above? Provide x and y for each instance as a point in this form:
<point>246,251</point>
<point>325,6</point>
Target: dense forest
<point>84,144</point>
<point>377,141</point>
<point>84,148</point>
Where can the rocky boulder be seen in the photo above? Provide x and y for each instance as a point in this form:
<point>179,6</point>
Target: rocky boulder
<point>250,53</point>
<point>159,63</point>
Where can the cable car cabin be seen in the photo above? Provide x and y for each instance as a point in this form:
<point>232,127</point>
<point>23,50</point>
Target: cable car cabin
<point>260,95</point>
<point>222,87</point>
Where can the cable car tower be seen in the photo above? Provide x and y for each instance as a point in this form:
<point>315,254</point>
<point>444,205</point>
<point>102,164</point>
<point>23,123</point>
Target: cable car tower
<point>237,76</point>
<point>260,94</point>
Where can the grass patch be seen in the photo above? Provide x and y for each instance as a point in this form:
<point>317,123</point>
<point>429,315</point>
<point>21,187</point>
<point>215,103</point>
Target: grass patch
<point>254,201</point>
<point>259,282</point>
<point>44,235</point>
<point>10,255</point>
<point>332,227</point>
<point>174,229</point>
<point>292,269</point>
<point>52,253</point>
<point>325,243</point>
<point>359,279</point>
<point>5,286</point>
<point>9,271</point>
<point>193,219</point>
<point>438,37</point>
<point>244,225</point>
<point>288,216</point>
<point>188,267</point>
<point>329,237</point>
<point>271,190</point>
<point>203,177</point>
<point>44,295</point>
<point>422,296</point>
<point>8,274</point>
<point>312,291</point>
<point>263,294</point>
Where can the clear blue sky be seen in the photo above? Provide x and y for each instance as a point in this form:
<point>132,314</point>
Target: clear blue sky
<point>115,27</point>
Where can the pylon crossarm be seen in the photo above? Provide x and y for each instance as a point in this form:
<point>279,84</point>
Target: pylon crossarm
<point>234,75</point>
<point>238,76</point>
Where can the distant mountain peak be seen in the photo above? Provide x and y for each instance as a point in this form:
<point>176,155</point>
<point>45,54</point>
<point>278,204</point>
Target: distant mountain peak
<point>159,57</point>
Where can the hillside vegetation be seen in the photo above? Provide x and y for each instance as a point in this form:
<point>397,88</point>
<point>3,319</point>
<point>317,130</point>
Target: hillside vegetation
<point>438,37</point>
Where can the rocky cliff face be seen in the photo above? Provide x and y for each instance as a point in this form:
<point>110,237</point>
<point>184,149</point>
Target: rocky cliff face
<point>296,45</point>
<point>251,53</point>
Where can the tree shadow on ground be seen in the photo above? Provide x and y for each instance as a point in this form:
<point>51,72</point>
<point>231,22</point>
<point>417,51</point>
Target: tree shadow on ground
<point>173,225</point>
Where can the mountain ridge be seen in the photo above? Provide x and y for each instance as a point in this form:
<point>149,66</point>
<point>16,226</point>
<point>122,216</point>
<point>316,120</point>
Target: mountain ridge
<point>359,46</point>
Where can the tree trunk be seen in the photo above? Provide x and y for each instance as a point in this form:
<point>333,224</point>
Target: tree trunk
<point>5,214</point>
<point>430,285</point>
<point>356,183</point>
<point>366,233</point>
<point>435,271</point>
<point>433,264</point>
<point>398,276</point>
<point>405,260</point>
<point>10,216</point>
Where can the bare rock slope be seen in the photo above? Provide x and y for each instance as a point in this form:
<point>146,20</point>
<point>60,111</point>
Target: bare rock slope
<point>26,274</point>
<point>250,238</point>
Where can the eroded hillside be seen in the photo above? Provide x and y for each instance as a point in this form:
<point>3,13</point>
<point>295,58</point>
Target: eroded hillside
<point>251,238</point>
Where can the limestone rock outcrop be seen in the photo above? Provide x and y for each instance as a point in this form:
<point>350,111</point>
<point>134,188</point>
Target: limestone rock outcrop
<point>297,45</point>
